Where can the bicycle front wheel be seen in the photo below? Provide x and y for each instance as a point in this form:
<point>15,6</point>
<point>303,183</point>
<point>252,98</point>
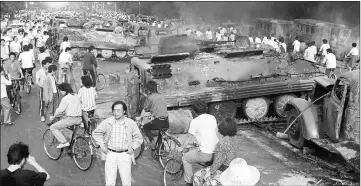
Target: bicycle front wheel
<point>82,153</point>
<point>167,150</point>
<point>28,84</point>
<point>173,173</point>
<point>101,81</point>
<point>50,143</point>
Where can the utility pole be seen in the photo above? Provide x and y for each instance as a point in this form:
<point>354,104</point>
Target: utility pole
<point>139,8</point>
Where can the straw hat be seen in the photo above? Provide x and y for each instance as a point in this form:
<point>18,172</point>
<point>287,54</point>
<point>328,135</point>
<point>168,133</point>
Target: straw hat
<point>239,173</point>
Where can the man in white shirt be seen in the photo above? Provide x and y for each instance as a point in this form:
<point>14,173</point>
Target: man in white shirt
<point>5,101</point>
<point>310,52</point>
<point>296,45</point>
<point>352,57</point>
<point>15,46</point>
<point>257,40</point>
<point>218,36</point>
<point>65,44</point>
<point>330,60</point>
<point>27,59</point>
<point>323,49</point>
<point>209,34</point>
<point>42,54</point>
<point>250,39</point>
<point>4,50</point>
<point>204,129</point>
<point>40,77</point>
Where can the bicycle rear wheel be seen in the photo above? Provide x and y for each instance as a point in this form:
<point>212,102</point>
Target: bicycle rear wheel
<point>173,173</point>
<point>91,127</point>
<point>28,84</point>
<point>333,76</point>
<point>82,153</point>
<point>101,81</point>
<point>168,149</point>
<point>50,143</point>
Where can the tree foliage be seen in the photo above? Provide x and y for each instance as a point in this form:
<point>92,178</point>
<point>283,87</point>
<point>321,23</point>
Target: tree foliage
<point>11,7</point>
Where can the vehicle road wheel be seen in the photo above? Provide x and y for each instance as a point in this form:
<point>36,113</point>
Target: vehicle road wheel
<point>28,84</point>
<point>101,81</point>
<point>121,54</point>
<point>50,143</point>
<point>82,153</point>
<point>295,133</point>
<point>107,54</point>
<point>280,102</point>
<point>255,108</point>
<point>222,110</point>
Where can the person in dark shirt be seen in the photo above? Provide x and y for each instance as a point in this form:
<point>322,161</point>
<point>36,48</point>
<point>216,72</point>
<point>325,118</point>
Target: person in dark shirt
<point>157,106</point>
<point>90,63</point>
<point>18,155</point>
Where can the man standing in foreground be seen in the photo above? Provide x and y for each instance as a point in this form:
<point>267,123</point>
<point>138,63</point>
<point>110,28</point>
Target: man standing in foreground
<point>330,61</point>
<point>89,64</point>
<point>118,137</point>
<point>18,156</point>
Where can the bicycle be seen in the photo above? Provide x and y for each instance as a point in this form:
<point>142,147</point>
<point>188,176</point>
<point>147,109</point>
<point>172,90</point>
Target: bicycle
<point>28,81</point>
<point>100,79</point>
<point>173,169</point>
<point>15,98</point>
<point>80,149</point>
<point>166,146</point>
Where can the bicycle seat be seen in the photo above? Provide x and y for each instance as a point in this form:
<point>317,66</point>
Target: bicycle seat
<point>75,126</point>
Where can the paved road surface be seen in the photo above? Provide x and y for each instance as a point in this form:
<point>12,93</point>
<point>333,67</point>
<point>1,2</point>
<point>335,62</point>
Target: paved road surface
<point>277,164</point>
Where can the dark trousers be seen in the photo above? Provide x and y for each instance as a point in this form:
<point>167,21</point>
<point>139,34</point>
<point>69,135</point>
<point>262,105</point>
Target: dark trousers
<point>85,118</point>
<point>41,102</point>
<point>92,73</point>
<point>155,124</point>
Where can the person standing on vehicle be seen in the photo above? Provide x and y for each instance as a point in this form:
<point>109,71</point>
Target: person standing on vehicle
<point>70,105</point>
<point>51,92</point>
<point>118,137</point>
<point>157,106</point>
<point>330,61</point>
<point>296,46</point>
<point>87,95</point>
<point>310,52</point>
<point>39,79</point>
<point>18,155</point>
<point>323,50</point>
<point>65,44</point>
<point>89,64</point>
<point>204,129</point>
<point>5,101</point>
<point>353,56</point>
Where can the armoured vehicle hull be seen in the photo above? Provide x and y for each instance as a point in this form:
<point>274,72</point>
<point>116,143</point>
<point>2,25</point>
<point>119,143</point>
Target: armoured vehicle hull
<point>226,80</point>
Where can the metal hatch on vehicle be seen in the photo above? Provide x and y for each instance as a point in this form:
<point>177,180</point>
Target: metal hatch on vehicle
<point>169,57</point>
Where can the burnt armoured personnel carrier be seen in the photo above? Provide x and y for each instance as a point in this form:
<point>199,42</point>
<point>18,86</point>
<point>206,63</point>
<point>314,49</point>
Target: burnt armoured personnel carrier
<point>226,80</point>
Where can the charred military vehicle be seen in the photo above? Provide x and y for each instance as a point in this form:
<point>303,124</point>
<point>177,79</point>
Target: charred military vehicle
<point>332,123</point>
<point>226,80</point>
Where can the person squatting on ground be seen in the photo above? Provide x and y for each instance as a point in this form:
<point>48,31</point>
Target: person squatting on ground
<point>156,104</point>
<point>352,56</point>
<point>224,153</point>
<point>89,64</point>
<point>330,62</point>
<point>5,101</point>
<point>51,92</point>
<point>18,155</point>
<point>204,129</point>
<point>39,79</point>
<point>118,137</point>
<point>70,105</point>
<point>87,95</point>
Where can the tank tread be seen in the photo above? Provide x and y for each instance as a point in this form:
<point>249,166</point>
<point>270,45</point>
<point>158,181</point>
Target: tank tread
<point>263,121</point>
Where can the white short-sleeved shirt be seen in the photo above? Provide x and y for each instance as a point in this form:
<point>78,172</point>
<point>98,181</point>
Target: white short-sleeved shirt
<point>4,83</point>
<point>324,48</point>
<point>250,39</point>
<point>310,53</point>
<point>258,40</point>
<point>330,60</point>
<point>64,45</point>
<point>15,47</point>
<point>296,46</point>
<point>26,59</point>
<point>42,56</point>
<point>40,74</point>
<point>354,51</point>
<point>205,129</point>
<point>65,57</point>
<point>209,35</point>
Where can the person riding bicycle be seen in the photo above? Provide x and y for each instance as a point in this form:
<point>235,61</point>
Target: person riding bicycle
<point>87,95</point>
<point>204,129</point>
<point>330,62</point>
<point>90,63</point>
<point>26,60</point>
<point>70,105</point>
<point>352,57</point>
<point>13,68</point>
<point>155,104</point>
